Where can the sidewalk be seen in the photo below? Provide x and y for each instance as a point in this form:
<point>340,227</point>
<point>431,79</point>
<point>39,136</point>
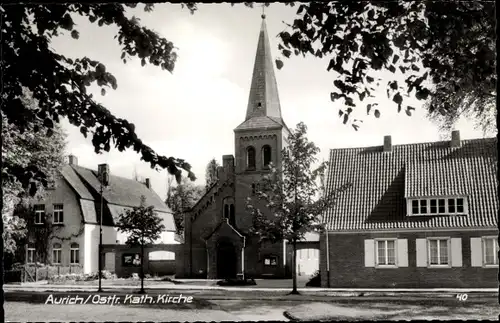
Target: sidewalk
<point>218,290</point>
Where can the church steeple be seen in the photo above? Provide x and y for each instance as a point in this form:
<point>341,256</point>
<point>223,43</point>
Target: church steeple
<point>263,99</point>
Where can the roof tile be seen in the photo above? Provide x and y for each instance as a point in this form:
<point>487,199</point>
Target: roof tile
<point>382,180</point>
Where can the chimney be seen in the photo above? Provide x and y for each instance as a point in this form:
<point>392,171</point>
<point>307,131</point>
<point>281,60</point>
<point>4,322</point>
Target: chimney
<point>228,164</point>
<point>148,183</point>
<point>455,139</point>
<point>103,174</point>
<point>387,144</point>
<point>72,160</point>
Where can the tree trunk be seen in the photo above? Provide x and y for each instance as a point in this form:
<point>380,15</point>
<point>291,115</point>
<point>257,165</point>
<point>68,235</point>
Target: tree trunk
<point>142,269</point>
<point>294,269</point>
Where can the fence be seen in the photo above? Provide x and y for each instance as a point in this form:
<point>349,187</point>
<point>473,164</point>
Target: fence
<point>33,273</point>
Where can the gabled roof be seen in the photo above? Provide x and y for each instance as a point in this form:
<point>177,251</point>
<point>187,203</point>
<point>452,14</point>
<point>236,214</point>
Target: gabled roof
<point>120,195</point>
<point>263,98</point>
<point>168,219</point>
<point>381,181</point>
<point>121,191</point>
<point>75,182</point>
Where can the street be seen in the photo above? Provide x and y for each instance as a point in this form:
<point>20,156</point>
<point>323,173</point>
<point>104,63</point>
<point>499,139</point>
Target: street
<point>30,306</point>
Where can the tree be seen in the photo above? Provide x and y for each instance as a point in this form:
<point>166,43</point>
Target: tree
<point>143,227</point>
<point>28,152</point>
<point>293,196</point>
<point>211,173</point>
<point>60,83</point>
<point>182,198</point>
<point>445,50</point>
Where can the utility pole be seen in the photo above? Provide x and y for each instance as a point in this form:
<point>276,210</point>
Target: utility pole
<point>104,181</point>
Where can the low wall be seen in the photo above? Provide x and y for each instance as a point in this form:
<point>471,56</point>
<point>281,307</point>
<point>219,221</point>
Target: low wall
<point>127,259</point>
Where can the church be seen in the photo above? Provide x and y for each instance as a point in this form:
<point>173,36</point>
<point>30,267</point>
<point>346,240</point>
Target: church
<point>216,240</point>
<point>421,215</point>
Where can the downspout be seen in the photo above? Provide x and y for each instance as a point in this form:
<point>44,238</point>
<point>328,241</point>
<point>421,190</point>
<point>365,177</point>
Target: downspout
<point>190,246</point>
<point>243,259</point>
<point>208,260</point>
<point>327,259</point>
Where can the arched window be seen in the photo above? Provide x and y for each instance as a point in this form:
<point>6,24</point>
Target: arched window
<point>232,219</point>
<point>266,156</point>
<point>250,158</point>
<point>226,211</point>
<point>56,253</point>
<point>74,253</point>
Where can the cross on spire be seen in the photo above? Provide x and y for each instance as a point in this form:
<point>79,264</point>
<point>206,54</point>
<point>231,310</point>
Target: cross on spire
<point>263,11</point>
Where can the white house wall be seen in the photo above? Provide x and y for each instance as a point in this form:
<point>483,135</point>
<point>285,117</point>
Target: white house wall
<point>91,258</point>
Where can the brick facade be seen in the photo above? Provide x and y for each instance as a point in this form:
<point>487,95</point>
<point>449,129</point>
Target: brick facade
<point>348,270</point>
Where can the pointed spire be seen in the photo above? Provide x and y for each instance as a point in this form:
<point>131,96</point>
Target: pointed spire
<point>263,99</point>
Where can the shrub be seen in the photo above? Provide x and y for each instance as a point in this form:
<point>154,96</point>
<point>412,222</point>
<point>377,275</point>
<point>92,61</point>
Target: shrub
<point>13,276</point>
<point>82,277</point>
<point>237,282</point>
<point>315,280</point>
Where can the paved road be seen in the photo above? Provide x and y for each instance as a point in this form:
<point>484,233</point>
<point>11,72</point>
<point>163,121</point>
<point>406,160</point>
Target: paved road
<point>31,307</point>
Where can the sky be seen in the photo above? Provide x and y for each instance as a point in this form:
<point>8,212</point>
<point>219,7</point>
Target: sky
<point>191,113</point>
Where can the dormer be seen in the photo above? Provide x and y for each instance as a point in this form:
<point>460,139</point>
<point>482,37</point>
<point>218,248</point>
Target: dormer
<point>437,205</point>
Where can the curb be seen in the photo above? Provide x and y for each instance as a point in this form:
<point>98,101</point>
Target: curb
<point>290,316</point>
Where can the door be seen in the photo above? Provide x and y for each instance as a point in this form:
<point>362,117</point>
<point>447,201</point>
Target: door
<point>226,260</point>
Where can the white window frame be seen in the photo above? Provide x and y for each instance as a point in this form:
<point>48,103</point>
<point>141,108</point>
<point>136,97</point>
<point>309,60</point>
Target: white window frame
<point>395,240</point>
<point>495,251</point>
<point>448,245</point>
<point>31,251</point>
<point>410,201</point>
<point>57,251</point>
<point>39,214</point>
<point>58,214</point>
<point>71,257</point>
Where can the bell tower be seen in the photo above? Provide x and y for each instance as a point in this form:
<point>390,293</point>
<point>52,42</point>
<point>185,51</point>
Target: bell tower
<point>260,138</point>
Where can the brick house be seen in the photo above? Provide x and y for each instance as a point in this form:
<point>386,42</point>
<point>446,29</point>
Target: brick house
<point>74,206</point>
<point>417,216</point>
<point>216,243</point>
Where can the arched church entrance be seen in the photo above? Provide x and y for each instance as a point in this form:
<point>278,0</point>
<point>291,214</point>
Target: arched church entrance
<point>226,260</point>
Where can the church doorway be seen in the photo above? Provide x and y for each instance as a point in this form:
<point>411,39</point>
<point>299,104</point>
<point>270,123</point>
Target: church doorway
<point>226,260</point>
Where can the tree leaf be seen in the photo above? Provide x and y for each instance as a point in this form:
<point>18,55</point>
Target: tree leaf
<point>422,94</point>
<point>83,130</point>
<point>103,91</point>
<point>397,98</point>
<point>395,59</point>
<point>279,64</point>
<point>377,113</point>
<point>75,34</point>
